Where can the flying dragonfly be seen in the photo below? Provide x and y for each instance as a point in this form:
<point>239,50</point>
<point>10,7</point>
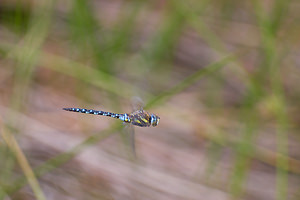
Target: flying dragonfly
<point>138,118</point>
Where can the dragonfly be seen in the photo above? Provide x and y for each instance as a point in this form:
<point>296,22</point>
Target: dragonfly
<point>138,118</point>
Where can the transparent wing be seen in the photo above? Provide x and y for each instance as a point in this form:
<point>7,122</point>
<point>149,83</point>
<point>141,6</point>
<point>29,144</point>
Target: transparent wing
<point>137,103</point>
<point>128,137</point>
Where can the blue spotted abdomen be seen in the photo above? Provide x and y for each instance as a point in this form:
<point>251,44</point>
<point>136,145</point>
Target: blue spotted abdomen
<point>94,112</point>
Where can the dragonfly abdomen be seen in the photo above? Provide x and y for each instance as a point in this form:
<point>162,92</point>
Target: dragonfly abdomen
<point>94,112</point>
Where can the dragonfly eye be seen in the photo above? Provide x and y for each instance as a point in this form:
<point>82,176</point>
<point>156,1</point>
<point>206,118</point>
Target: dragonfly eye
<point>154,120</point>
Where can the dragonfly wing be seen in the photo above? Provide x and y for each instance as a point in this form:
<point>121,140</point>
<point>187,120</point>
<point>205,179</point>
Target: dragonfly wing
<point>128,137</point>
<point>137,103</point>
<point>132,140</point>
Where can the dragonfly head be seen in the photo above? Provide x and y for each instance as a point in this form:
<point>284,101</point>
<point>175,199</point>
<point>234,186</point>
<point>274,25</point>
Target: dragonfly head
<point>154,120</point>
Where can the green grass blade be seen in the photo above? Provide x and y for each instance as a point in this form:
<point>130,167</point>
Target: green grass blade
<point>23,162</point>
<point>191,80</point>
<point>59,160</point>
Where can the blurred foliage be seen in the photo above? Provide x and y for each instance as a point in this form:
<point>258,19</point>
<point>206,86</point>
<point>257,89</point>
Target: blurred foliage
<point>227,70</point>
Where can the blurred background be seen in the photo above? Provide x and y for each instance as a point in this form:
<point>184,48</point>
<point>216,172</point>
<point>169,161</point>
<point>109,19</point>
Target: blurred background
<point>222,75</point>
